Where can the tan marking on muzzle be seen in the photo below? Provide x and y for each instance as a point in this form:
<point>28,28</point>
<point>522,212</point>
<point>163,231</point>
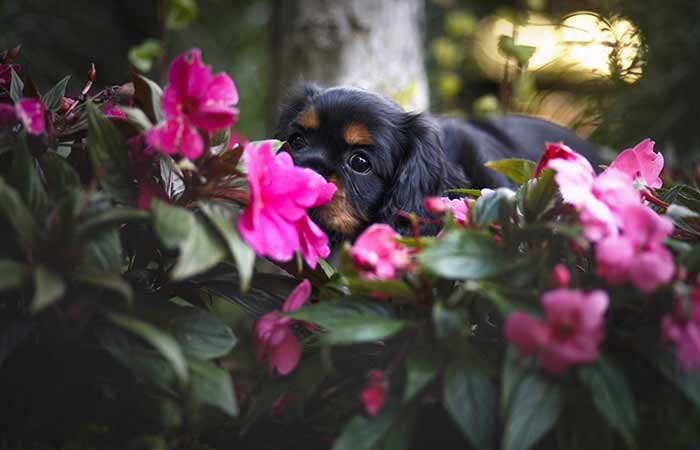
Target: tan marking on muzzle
<point>339,215</point>
<point>308,118</point>
<point>357,134</point>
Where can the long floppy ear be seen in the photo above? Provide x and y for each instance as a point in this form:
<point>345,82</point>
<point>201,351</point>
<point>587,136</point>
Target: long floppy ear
<point>422,172</point>
<point>297,100</point>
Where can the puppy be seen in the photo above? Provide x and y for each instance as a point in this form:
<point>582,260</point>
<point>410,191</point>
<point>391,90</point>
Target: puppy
<point>385,160</point>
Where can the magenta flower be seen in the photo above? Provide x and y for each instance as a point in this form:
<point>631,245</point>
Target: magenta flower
<point>557,150</point>
<point>570,333</point>
<point>638,254</point>
<point>273,336</point>
<point>440,205</point>
<point>6,73</point>
<point>112,110</point>
<point>561,275</point>
<point>31,112</point>
<point>374,394</point>
<point>193,99</point>
<point>276,223</point>
<point>641,163</point>
<point>379,254</point>
<point>682,327</point>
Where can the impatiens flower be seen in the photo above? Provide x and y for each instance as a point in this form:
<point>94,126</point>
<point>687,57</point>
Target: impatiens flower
<point>275,222</point>
<point>570,333</point>
<point>6,73</point>
<point>110,109</point>
<point>31,112</point>
<point>641,164</point>
<point>440,205</point>
<point>193,98</point>
<point>561,275</point>
<point>682,327</point>
<point>557,150</point>
<point>374,394</point>
<point>638,254</point>
<point>273,336</point>
<point>379,254</point>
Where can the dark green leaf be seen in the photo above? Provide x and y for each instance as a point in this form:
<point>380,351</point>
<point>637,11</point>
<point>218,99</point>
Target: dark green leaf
<point>110,281</point>
<point>492,207</point>
<point>144,55</point>
<point>60,176</point>
<point>612,397</point>
<point>363,433</point>
<point>25,176</point>
<point>149,96</point>
<point>537,196</point>
<point>160,340</point>
<point>421,370</point>
<point>12,335</point>
<point>448,321</point>
<point>687,381</point>
<point>225,224</point>
<point>12,274</point>
<point>533,410</point>
<point>680,214</point>
<point>472,192</point>
<point>212,385</point>
<point>463,254</point>
<point>518,170</point>
<point>109,219</point>
<point>109,155</point>
<point>53,99</point>
<point>358,329</point>
<point>104,252</point>
<point>521,53</point>
<point>179,13</point>
<point>48,288</point>
<point>471,399</point>
<point>400,435</point>
<point>16,213</point>
<point>329,314</point>
<point>16,86</point>
<point>392,288</point>
<point>202,334</point>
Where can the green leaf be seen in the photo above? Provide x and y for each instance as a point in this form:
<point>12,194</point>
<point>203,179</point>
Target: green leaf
<point>521,53</point>
<point>518,170</point>
<point>60,176</point>
<point>48,288</point>
<point>471,192</point>
<point>24,175</point>
<point>687,381</point>
<point>421,370</point>
<point>144,55</point>
<point>471,399</point>
<point>224,222</point>
<point>12,274</point>
<point>201,333</point>
<point>179,13</point>
<point>200,248</point>
<point>679,213</point>
<point>612,397</point>
<point>110,281</point>
<point>363,433</point>
<point>159,339</point>
<point>359,329</point>
<point>329,314</point>
<point>110,219</point>
<point>392,288</point>
<point>491,208</point>
<point>17,214</point>
<point>448,321</point>
<point>148,94</point>
<point>537,196</point>
<point>109,154</point>
<point>212,385</point>
<point>461,254</point>
<point>533,410</point>
<point>53,99</point>
<point>16,86</point>
<point>104,252</point>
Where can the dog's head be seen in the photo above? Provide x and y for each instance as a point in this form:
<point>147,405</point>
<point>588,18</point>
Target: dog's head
<point>381,158</point>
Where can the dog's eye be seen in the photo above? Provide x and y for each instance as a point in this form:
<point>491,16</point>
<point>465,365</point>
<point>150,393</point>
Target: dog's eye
<point>296,141</point>
<point>359,163</point>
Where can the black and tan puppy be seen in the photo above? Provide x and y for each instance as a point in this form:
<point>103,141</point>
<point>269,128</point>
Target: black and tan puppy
<point>384,160</point>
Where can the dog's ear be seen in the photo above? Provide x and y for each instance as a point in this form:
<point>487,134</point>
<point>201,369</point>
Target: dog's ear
<point>297,100</point>
<point>422,172</point>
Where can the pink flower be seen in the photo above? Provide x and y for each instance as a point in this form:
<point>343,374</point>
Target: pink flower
<point>641,163</point>
<point>276,223</point>
<point>32,113</point>
<point>557,150</point>
<point>112,110</point>
<point>440,205</point>
<point>561,275</point>
<point>378,253</point>
<point>193,99</point>
<point>6,73</point>
<point>374,394</point>
<point>682,327</point>
<point>638,254</point>
<point>570,333</point>
<point>273,336</point>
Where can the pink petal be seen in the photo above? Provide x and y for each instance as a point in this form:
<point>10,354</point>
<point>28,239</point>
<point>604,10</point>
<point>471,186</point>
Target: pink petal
<point>222,90</point>
<point>527,332</point>
<point>641,163</point>
<point>31,112</point>
<point>560,151</point>
<point>614,256</point>
<point>285,356</point>
<point>212,117</point>
<point>296,299</point>
<point>188,76</point>
<point>651,268</point>
<point>176,136</point>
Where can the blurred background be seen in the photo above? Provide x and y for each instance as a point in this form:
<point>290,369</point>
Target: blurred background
<point>614,70</point>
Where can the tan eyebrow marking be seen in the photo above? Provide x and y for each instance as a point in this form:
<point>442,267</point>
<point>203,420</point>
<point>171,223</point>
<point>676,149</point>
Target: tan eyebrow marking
<point>308,118</point>
<point>357,134</point>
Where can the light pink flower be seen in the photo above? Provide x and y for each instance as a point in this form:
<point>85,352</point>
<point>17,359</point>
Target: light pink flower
<point>378,253</point>
<point>374,394</point>
<point>682,327</point>
<point>638,254</point>
<point>557,150</point>
<point>440,205</point>
<point>570,333</point>
<point>273,336</point>
<point>193,99</point>
<point>275,222</point>
<point>641,163</point>
<point>32,113</point>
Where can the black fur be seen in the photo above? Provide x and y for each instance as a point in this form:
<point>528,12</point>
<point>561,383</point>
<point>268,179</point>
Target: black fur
<point>412,156</point>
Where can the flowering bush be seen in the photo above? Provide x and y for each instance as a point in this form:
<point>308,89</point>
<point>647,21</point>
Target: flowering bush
<point>562,314</point>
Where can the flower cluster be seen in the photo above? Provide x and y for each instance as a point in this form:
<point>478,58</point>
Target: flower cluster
<point>378,253</point>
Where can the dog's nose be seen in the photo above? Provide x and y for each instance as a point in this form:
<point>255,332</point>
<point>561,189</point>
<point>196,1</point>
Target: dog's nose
<point>313,158</point>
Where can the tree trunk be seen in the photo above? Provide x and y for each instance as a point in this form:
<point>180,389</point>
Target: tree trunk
<point>372,44</point>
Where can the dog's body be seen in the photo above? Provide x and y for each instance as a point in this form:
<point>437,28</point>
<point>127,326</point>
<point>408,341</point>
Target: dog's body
<point>384,160</point>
